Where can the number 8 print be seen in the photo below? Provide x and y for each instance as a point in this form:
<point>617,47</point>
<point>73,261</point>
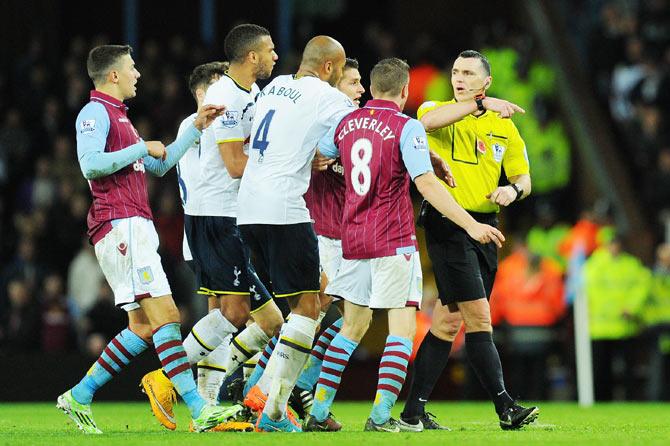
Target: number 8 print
<point>361,154</point>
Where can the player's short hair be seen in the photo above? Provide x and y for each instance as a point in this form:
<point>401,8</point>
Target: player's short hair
<point>472,54</point>
<point>350,63</point>
<point>102,58</point>
<point>242,39</point>
<point>203,74</point>
<point>389,76</point>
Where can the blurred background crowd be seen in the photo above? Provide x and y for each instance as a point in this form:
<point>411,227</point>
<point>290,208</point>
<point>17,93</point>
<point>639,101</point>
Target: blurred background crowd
<point>54,299</point>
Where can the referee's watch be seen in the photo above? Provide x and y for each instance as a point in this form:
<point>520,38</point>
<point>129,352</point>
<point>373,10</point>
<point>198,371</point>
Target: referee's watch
<point>479,100</point>
<point>519,191</point>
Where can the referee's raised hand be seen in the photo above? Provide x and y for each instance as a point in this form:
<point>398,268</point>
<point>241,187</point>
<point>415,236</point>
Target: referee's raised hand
<point>504,108</point>
<point>486,234</point>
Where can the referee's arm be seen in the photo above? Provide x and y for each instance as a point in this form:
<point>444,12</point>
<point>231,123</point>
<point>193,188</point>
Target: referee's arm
<point>518,189</point>
<point>447,114</point>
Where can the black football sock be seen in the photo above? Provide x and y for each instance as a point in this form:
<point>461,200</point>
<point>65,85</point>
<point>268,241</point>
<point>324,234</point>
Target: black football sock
<point>484,359</point>
<point>430,361</point>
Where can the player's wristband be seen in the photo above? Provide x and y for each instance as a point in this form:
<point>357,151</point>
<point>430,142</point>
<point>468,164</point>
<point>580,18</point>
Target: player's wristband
<point>479,100</point>
<point>519,191</point>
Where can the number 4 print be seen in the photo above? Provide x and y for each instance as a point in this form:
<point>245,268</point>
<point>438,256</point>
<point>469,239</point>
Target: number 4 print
<point>262,143</point>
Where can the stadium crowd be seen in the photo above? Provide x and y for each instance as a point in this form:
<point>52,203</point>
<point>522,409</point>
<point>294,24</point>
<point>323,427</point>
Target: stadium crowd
<point>53,297</point>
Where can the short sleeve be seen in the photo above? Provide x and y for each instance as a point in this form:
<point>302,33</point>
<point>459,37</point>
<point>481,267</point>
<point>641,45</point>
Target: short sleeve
<point>92,127</point>
<point>228,127</point>
<point>334,106</point>
<point>414,149</point>
<point>515,160</point>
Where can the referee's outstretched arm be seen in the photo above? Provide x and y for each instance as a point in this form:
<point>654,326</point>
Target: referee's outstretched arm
<point>447,114</point>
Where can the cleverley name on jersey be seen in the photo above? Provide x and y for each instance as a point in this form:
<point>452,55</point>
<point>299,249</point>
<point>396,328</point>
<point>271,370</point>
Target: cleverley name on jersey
<point>367,124</point>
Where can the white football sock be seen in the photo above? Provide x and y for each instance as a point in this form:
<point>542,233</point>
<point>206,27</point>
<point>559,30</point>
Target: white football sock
<point>206,335</point>
<point>287,361</point>
<point>244,346</point>
<point>212,373</point>
<point>249,366</point>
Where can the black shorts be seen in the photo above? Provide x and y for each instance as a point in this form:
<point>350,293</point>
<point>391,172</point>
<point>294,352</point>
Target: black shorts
<point>220,260</point>
<point>464,268</point>
<point>287,254</point>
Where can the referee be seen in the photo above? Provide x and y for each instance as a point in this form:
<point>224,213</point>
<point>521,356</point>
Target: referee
<point>472,135</point>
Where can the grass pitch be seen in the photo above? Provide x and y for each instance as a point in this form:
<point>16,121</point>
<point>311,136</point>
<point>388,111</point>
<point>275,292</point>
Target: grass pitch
<point>471,423</point>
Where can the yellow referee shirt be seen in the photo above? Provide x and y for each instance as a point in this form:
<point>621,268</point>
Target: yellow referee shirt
<point>476,149</point>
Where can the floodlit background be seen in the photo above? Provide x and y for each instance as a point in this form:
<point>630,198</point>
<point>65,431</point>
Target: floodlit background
<point>593,75</point>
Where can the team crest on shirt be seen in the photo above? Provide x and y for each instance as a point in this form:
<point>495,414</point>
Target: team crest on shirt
<point>419,143</point>
<point>230,118</point>
<point>498,152</point>
<point>146,275</point>
<point>87,126</point>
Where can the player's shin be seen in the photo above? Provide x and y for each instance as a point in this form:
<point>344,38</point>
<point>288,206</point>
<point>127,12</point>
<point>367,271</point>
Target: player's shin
<point>167,341</point>
<point>212,372</point>
<point>119,352</point>
<point>289,357</point>
<point>310,375</point>
<point>335,360</point>
<point>392,374</point>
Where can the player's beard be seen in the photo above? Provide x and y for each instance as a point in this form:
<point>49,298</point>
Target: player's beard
<point>264,72</point>
<point>334,78</point>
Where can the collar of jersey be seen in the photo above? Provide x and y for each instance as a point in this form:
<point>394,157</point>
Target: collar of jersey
<point>383,104</point>
<point>102,97</point>
<point>248,90</point>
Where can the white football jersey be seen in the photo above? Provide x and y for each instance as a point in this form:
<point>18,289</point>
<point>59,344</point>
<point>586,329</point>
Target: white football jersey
<point>188,171</point>
<point>291,116</point>
<point>216,193</point>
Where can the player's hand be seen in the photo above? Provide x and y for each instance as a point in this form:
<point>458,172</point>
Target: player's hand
<point>442,169</point>
<point>207,114</point>
<point>156,149</point>
<point>486,234</point>
<point>503,195</point>
<point>505,108</point>
<point>321,163</point>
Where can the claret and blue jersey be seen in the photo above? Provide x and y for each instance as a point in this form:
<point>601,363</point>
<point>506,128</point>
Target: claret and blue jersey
<point>380,149</point>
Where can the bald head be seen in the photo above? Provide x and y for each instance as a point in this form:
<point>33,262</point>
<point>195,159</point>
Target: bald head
<point>324,56</point>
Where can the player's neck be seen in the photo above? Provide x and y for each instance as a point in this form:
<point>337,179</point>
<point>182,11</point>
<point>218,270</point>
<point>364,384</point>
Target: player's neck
<point>242,75</point>
<point>395,99</point>
<point>111,90</point>
<point>306,72</point>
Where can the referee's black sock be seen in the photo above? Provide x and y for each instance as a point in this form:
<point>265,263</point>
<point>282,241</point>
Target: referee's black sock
<point>484,358</point>
<point>430,361</point>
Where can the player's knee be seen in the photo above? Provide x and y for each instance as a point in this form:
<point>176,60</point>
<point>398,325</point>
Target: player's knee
<point>446,330</point>
<point>307,306</point>
<point>478,322</point>
<point>142,330</point>
<point>270,321</point>
<point>356,329</point>
<point>238,316</point>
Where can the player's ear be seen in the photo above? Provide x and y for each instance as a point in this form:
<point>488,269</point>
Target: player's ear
<point>405,91</point>
<point>328,66</point>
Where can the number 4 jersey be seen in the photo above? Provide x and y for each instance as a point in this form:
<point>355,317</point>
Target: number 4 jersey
<point>380,148</point>
<point>292,114</point>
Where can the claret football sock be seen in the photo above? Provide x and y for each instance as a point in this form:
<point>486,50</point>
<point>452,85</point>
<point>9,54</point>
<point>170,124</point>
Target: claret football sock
<point>167,341</point>
<point>392,374</point>
<point>310,375</point>
<point>119,352</point>
<point>335,359</point>
<point>484,358</point>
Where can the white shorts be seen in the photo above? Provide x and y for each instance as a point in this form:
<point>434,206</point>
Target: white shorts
<point>330,261</point>
<point>129,259</point>
<point>382,283</point>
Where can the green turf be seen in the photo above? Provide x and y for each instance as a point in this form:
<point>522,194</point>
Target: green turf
<point>472,424</point>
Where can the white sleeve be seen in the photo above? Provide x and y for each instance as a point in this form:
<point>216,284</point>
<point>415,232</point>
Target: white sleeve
<point>334,106</point>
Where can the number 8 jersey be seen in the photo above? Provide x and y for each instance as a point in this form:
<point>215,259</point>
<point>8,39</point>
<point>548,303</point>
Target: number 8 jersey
<point>380,149</point>
<point>292,114</point>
